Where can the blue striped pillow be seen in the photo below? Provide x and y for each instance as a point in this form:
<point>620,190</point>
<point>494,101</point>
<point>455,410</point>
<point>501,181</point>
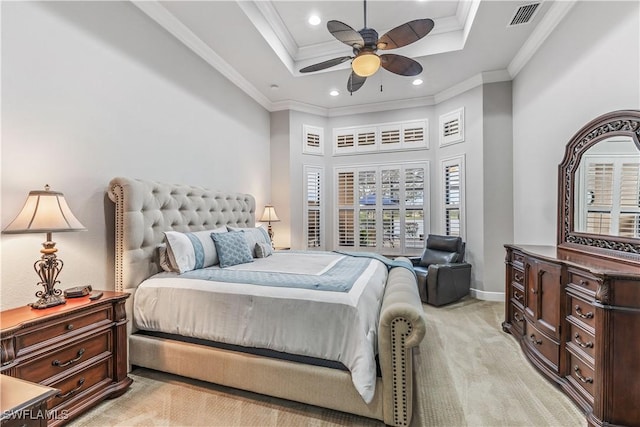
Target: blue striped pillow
<point>191,251</point>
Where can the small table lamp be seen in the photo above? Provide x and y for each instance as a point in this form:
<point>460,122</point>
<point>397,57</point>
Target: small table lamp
<point>269,216</point>
<point>46,212</point>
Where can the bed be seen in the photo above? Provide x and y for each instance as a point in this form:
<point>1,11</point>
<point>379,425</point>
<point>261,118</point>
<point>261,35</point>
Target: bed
<point>145,210</point>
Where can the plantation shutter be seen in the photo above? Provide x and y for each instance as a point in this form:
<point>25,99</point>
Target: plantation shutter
<point>452,199</point>
<point>346,208</point>
<point>629,222</point>
<point>313,207</point>
<point>600,197</point>
<point>367,198</point>
<point>414,183</point>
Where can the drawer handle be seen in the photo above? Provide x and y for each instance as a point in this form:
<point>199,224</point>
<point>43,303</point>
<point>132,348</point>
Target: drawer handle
<point>70,392</point>
<point>517,277</point>
<point>589,380</point>
<point>70,327</point>
<point>517,317</point>
<point>584,283</point>
<point>533,340</point>
<point>517,296</point>
<point>62,365</point>
<point>579,312</point>
<point>534,291</point>
<point>581,343</point>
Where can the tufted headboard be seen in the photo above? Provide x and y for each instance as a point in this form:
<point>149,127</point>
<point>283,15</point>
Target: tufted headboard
<point>146,209</point>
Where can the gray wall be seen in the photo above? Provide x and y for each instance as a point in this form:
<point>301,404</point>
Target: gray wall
<point>588,66</point>
<point>93,90</point>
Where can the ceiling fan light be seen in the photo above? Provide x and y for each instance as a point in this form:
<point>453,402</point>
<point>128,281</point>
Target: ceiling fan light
<point>366,64</point>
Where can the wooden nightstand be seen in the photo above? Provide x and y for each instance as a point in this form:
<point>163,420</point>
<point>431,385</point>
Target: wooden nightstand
<point>23,403</point>
<point>79,348</point>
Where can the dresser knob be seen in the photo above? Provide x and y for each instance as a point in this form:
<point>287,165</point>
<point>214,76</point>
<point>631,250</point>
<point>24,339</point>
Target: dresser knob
<point>533,340</point>
<point>70,327</point>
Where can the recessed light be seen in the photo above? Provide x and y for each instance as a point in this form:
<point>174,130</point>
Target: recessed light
<point>417,82</point>
<point>334,93</point>
<point>314,20</point>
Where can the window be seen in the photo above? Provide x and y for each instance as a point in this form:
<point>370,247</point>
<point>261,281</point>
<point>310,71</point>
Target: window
<point>612,199</point>
<point>312,140</point>
<point>453,196</point>
<point>381,208</point>
<point>313,207</point>
<point>381,137</point>
<point>452,127</point>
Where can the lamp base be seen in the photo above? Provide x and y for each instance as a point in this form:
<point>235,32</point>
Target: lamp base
<point>47,301</point>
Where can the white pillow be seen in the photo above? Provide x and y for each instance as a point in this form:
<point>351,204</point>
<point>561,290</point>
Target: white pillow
<point>263,250</point>
<point>191,251</point>
<point>254,235</point>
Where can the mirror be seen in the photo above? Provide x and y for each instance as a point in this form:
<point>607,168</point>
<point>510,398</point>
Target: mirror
<point>607,189</point>
<point>599,188</point>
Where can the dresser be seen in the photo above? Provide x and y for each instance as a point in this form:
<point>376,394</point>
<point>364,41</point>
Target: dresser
<point>79,348</point>
<point>22,403</point>
<point>577,318</point>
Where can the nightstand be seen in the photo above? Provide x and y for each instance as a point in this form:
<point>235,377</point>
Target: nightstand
<point>23,403</point>
<point>79,348</point>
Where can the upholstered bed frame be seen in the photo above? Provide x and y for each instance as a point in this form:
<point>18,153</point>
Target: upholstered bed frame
<point>145,209</point>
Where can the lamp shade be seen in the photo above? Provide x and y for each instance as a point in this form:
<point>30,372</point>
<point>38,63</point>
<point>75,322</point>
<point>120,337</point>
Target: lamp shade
<point>45,212</point>
<point>366,64</point>
<point>269,214</point>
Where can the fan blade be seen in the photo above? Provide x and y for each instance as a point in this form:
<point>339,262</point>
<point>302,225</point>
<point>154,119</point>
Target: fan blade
<point>355,82</point>
<point>325,64</point>
<point>399,64</point>
<point>345,34</point>
<point>405,34</point>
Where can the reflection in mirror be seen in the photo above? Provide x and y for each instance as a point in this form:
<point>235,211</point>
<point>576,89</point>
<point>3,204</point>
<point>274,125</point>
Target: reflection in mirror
<point>607,189</point>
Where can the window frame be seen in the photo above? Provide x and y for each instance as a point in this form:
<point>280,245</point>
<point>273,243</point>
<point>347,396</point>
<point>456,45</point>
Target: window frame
<point>307,170</point>
<point>458,160</point>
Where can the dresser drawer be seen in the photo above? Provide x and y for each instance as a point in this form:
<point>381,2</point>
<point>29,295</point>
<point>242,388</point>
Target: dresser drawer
<point>55,330</point>
<point>517,259</point>
<point>583,281</point>
<point>581,376</point>
<point>80,384</point>
<point>517,319</point>
<point>580,340</point>
<point>582,313</point>
<point>518,277</point>
<point>63,359</point>
<point>547,349</point>
<point>518,295</point>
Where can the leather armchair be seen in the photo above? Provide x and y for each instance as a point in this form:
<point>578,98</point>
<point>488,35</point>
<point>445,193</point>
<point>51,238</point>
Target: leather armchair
<point>443,276</point>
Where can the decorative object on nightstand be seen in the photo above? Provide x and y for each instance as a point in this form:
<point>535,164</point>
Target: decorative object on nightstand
<point>269,216</point>
<point>46,212</point>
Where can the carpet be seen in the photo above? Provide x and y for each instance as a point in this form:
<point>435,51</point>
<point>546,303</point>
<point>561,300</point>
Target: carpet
<point>468,373</point>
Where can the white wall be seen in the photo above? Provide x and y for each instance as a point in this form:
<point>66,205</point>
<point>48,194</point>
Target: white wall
<point>588,66</point>
<point>94,90</point>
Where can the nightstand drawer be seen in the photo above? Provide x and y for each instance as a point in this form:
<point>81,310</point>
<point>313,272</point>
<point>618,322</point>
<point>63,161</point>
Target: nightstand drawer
<point>71,325</point>
<point>57,362</point>
<point>80,383</point>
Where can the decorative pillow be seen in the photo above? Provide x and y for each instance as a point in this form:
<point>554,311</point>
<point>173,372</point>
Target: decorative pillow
<point>254,235</point>
<point>191,251</point>
<point>232,248</point>
<point>163,258</point>
<point>263,250</point>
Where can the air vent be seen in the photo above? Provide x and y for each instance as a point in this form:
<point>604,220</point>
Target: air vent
<point>524,14</point>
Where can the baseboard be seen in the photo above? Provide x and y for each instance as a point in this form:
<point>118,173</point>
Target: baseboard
<point>487,296</point>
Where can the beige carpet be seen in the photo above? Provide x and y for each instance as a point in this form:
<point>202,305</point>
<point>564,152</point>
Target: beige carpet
<point>469,373</point>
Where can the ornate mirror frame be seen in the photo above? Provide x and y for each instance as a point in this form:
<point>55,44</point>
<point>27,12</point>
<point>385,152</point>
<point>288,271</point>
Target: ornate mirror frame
<point>616,123</point>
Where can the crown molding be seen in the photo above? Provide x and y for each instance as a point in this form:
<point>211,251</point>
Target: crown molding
<point>472,82</point>
<point>175,27</point>
<point>299,106</point>
<point>399,104</point>
<point>549,22</point>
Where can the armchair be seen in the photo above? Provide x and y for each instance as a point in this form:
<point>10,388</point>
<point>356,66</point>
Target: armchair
<point>443,276</point>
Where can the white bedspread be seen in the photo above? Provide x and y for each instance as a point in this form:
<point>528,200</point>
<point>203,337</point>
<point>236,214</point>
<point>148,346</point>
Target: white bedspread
<point>338,326</point>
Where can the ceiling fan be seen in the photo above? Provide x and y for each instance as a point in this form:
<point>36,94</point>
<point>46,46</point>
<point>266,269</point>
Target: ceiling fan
<point>365,44</point>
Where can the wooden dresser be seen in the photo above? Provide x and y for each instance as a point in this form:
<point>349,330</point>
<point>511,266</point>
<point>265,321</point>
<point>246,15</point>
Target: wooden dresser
<point>577,318</point>
<point>79,348</point>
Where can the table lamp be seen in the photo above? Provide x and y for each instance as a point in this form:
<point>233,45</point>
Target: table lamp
<point>46,212</point>
<point>269,216</point>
